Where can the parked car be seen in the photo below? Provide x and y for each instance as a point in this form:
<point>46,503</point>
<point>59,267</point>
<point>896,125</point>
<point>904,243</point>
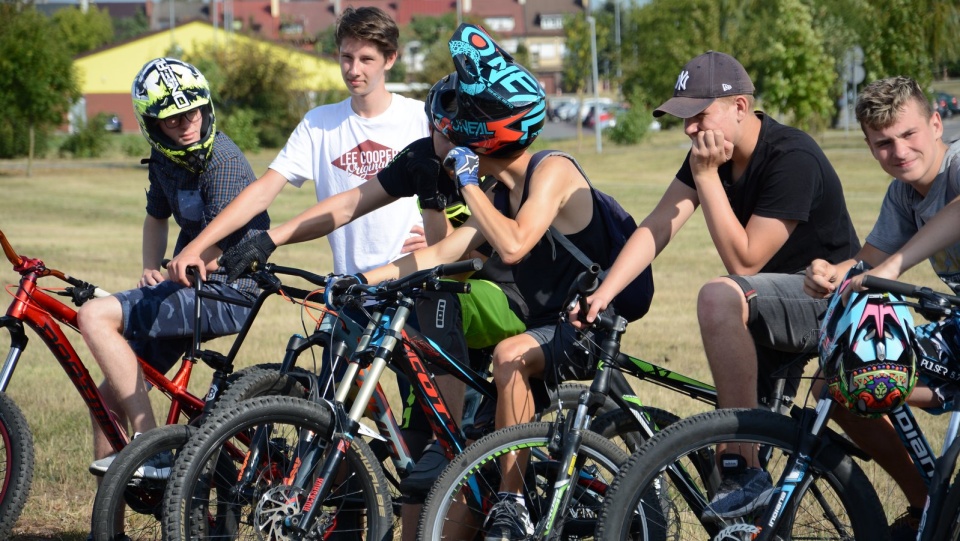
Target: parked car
<point>946,104</point>
<point>557,104</point>
<point>605,114</point>
<point>113,124</point>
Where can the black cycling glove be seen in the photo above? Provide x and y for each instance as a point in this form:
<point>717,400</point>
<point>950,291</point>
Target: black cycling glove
<point>249,254</point>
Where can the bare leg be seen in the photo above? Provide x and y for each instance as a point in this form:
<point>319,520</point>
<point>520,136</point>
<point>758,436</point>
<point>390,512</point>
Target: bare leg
<point>515,360</point>
<point>722,312</point>
<point>100,322</point>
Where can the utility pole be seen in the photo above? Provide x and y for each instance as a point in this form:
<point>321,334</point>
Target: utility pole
<point>596,83</point>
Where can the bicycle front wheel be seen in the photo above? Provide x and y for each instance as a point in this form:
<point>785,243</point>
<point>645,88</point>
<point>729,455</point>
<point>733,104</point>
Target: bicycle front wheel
<point>467,488</point>
<point>220,469</point>
<point>16,464</point>
<point>835,500</point>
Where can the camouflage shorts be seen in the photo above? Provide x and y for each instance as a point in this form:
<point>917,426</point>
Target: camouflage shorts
<point>158,321</point>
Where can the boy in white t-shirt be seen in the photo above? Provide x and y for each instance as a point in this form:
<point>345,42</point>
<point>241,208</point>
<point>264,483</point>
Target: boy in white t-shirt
<point>340,146</point>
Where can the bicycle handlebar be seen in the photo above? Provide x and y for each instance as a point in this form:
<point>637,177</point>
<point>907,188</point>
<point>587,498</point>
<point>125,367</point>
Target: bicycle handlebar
<point>932,305</point>
<point>585,285</point>
<point>26,265</point>
<point>426,279</point>
<point>906,290</point>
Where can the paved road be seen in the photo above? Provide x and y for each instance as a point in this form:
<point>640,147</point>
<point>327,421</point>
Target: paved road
<point>568,130</point>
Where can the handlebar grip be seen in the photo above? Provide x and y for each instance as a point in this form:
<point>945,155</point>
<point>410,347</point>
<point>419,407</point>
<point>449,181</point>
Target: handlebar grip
<point>453,287</point>
<point>460,267</point>
<point>893,286</point>
<point>587,282</point>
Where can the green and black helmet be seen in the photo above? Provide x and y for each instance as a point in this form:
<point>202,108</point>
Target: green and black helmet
<point>166,87</point>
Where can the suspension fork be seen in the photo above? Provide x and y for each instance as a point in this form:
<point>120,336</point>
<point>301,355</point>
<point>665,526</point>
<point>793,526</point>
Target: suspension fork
<point>795,472</point>
<point>341,441</point>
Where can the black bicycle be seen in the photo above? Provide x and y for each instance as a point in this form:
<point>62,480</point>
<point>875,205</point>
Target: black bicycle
<point>565,466</point>
<point>819,490</point>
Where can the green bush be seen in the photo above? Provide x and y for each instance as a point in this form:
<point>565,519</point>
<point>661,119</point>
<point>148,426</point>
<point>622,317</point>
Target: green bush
<point>634,123</point>
<point>134,146</point>
<point>90,141</point>
<point>241,126</point>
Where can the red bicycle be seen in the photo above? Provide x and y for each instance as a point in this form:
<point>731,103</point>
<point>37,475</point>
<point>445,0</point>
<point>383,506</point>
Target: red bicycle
<point>36,308</point>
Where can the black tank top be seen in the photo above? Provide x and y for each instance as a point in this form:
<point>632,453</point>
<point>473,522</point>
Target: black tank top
<point>544,276</point>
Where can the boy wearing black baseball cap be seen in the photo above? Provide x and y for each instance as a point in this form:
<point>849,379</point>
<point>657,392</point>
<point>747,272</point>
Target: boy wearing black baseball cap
<point>772,203</point>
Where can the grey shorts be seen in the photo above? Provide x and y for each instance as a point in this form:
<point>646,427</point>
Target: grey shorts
<point>158,320</point>
<point>564,358</point>
<point>784,322</point>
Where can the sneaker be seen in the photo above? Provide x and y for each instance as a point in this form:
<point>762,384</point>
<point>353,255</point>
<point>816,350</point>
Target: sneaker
<point>416,486</point>
<point>740,493</point>
<point>907,525</point>
<point>100,467</point>
<point>508,520</point>
<point>157,467</point>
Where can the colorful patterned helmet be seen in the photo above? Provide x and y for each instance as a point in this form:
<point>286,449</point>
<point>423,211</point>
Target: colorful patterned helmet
<point>501,106</point>
<point>166,87</point>
<point>441,104</point>
<point>867,352</point>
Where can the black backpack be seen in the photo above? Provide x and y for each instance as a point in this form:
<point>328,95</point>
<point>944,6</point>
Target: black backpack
<point>634,301</point>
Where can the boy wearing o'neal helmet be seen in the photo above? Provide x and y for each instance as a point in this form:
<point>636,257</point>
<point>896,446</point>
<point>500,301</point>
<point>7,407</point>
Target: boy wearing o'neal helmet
<point>485,116</point>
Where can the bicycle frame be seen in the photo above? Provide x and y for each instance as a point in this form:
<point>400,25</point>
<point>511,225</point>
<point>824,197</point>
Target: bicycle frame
<point>44,315</point>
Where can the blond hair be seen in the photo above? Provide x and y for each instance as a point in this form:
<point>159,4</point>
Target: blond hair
<point>880,103</point>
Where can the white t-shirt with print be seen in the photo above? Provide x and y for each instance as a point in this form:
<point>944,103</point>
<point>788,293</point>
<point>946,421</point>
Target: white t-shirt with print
<point>340,150</point>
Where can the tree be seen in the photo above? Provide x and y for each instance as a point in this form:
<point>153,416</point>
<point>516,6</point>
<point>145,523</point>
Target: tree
<point>80,32</point>
<point>662,36</point>
<point>790,68</point>
<point>259,87</point>
<point>37,78</point>
<point>130,27</point>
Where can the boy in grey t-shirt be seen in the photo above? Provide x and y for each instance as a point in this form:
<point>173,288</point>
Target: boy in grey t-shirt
<point>905,136</point>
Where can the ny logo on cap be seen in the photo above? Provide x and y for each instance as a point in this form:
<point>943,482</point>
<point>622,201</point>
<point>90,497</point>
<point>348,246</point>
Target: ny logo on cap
<point>682,80</point>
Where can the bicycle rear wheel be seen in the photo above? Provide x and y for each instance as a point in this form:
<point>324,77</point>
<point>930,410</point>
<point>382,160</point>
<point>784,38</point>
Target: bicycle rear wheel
<point>205,477</point>
<point>16,464</point>
<point>467,489</point>
<point>835,500</point>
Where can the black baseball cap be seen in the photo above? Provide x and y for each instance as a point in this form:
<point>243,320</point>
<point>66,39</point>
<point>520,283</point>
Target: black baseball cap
<point>703,80</point>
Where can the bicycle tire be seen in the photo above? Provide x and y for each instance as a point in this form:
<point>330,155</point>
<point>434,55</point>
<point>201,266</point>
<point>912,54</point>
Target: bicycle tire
<point>835,485</point>
<point>120,489</point>
<point>262,380</point>
<point>948,526</point>
<point>200,476</point>
<point>139,500</point>
<point>16,462</point>
<point>478,468</point>
<point>620,426</point>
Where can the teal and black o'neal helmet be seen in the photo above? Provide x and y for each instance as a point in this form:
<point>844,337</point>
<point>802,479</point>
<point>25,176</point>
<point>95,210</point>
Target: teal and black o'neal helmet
<point>166,87</point>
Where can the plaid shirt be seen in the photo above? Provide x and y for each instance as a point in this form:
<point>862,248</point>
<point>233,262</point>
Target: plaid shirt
<point>194,200</point>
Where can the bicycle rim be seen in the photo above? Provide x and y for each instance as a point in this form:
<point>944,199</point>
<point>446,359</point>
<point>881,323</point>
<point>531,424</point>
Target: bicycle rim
<point>217,505</point>
<point>834,502</point>
<point>467,489</point>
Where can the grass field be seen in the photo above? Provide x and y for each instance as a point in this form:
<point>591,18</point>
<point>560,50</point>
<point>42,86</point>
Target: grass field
<point>84,217</point>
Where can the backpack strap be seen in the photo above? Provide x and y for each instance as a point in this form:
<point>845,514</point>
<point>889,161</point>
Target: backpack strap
<point>554,233</point>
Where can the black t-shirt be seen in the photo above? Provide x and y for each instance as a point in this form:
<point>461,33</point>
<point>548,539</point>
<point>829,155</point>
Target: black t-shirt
<point>402,177</point>
<point>790,178</point>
